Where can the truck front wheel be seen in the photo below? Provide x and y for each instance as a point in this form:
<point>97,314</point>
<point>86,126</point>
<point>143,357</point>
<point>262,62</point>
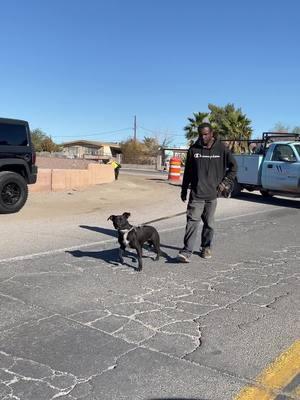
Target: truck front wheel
<point>13,192</point>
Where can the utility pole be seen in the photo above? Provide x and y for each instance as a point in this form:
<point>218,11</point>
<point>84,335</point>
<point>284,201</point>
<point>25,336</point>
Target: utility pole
<point>134,129</point>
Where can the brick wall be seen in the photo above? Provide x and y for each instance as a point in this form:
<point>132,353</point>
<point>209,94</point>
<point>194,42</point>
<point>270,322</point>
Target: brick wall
<point>60,179</point>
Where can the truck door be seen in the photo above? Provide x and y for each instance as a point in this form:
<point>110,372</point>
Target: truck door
<point>281,172</point>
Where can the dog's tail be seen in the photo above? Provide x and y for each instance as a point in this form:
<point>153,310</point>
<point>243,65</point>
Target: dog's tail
<point>163,253</point>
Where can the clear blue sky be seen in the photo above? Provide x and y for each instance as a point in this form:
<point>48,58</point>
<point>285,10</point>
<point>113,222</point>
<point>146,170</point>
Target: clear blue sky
<point>80,68</point>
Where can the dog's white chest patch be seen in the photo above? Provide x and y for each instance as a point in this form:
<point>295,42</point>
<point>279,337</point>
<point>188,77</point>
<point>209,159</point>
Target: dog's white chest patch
<point>125,240</point>
<point>125,237</point>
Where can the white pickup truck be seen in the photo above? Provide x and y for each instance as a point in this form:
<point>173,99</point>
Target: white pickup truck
<point>275,171</point>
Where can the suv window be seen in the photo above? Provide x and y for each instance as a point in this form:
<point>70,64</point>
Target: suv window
<point>283,152</point>
<point>13,135</point>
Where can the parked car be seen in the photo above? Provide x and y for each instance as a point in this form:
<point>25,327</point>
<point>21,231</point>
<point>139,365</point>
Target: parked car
<point>17,164</point>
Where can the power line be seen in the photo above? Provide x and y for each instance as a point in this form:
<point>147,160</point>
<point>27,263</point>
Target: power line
<point>94,134</point>
<point>169,134</point>
<point>149,130</point>
<point>156,132</point>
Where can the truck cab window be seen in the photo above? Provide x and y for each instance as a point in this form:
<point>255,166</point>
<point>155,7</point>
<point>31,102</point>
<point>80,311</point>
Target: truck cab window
<point>283,152</point>
<point>297,147</point>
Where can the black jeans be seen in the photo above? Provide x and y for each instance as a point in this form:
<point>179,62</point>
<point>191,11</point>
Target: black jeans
<point>116,173</point>
<point>198,210</point>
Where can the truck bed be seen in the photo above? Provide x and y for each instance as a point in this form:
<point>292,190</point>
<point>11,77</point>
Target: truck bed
<point>249,166</point>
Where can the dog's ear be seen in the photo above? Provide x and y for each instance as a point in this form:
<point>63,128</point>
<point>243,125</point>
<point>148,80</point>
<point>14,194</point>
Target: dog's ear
<point>126,214</point>
<point>110,218</point>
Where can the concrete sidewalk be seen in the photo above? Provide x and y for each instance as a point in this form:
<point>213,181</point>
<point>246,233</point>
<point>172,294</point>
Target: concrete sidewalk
<point>128,192</point>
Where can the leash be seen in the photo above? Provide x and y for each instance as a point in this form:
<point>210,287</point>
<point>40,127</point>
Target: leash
<point>163,218</point>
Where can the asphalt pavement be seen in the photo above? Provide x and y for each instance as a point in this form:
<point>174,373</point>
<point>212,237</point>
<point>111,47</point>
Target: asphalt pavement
<point>75,324</point>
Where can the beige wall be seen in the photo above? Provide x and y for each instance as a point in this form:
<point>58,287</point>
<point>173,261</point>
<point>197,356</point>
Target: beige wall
<point>65,179</point>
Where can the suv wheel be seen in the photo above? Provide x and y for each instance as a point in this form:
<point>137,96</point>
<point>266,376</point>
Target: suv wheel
<point>13,192</point>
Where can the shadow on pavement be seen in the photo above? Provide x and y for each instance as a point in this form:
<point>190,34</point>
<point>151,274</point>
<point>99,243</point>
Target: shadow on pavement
<point>274,201</point>
<point>110,256</point>
<point>173,260</point>
<point>109,232</point>
<point>178,185</point>
<point>170,260</point>
<point>160,180</point>
<point>167,246</point>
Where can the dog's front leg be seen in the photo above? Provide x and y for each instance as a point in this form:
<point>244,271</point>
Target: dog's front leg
<point>139,251</point>
<point>121,254</point>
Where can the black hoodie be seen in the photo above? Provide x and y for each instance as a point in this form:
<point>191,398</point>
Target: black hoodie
<point>206,168</point>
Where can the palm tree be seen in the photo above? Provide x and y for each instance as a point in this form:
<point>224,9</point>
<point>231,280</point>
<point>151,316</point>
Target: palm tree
<point>228,122</point>
<point>191,130</point>
<point>231,124</point>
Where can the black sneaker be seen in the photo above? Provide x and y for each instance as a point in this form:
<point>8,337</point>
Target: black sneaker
<point>205,253</point>
<point>184,257</point>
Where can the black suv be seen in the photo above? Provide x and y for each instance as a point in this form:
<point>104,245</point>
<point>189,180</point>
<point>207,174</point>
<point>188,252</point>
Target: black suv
<point>17,164</point>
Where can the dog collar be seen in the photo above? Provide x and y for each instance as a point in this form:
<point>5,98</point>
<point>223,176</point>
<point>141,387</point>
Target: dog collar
<point>126,230</point>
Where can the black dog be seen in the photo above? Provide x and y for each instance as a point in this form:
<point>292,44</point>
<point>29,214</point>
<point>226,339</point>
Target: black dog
<point>135,237</point>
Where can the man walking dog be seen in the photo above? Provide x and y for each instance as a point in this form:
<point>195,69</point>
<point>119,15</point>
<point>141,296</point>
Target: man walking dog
<point>209,169</point>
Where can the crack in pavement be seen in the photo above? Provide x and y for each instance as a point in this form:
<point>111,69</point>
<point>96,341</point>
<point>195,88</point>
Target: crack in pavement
<point>157,318</point>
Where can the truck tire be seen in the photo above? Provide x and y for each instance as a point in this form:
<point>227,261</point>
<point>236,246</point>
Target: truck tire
<point>237,188</point>
<point>13,192</point>
<point>265,193</point>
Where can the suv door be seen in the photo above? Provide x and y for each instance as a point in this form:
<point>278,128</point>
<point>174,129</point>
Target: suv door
<point>281,173</point>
